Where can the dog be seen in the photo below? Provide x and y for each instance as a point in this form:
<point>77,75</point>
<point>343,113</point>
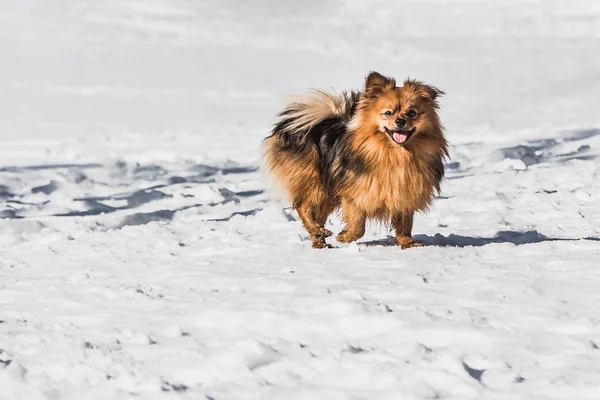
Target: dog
<point>378,153</point>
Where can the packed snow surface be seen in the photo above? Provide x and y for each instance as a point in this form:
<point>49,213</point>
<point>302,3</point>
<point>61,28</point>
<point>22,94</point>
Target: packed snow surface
<point>141,256</point>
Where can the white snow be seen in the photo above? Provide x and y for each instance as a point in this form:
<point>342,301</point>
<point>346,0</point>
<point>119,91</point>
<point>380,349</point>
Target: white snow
<point>140,257</point>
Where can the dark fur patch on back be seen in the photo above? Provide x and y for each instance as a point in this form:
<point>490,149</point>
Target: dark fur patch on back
<point>342,163</point>
<point>288,139</point>
<point>323,134</point>
<point>323,137</point>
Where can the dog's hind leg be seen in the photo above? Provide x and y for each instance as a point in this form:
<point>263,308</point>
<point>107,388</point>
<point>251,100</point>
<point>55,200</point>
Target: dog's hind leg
<point>321,212</point>
<point>313,220</point>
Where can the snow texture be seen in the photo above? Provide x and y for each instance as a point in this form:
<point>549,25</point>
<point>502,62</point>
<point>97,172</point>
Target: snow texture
<point>142,257</point>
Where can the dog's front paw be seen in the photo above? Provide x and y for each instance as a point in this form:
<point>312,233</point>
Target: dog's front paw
<point>406,242</point>
<point>320,243</point>
<point>347,237</point>
<point>324,233</point>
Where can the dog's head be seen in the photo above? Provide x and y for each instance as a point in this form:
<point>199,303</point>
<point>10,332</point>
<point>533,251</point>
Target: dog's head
<point>402,113</point>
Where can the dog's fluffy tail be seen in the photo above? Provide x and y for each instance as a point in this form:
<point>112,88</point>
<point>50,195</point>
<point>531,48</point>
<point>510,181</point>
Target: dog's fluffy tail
<point>293,153</point>
<point>309,109</point>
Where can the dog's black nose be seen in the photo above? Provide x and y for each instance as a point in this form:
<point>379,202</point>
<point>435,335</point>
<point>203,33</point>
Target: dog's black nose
<point>400,122</point>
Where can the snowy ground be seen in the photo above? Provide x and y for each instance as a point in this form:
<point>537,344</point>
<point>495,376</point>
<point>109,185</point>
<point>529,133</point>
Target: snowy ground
<point>140,256</point>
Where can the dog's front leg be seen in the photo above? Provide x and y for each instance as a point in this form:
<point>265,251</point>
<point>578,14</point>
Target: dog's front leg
<point>403,223</point>
<point>355,219</point>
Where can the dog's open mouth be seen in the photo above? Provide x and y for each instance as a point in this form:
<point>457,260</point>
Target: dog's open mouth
<point>400,136</point>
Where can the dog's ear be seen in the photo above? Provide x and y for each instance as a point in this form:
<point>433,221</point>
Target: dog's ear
<point>428,92</point>
<point>377,83</point>
<point>431,92</point>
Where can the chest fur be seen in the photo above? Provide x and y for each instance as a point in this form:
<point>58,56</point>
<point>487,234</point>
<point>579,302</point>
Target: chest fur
<point>394,183</point>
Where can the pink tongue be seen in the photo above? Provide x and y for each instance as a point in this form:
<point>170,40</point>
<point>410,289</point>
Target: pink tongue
<point>399,137</point>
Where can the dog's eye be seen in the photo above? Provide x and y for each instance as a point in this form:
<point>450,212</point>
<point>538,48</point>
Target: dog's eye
<point>387,114</point>
<point>412,113</point>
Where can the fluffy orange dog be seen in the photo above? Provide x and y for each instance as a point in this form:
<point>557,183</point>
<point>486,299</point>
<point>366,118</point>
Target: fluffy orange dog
<point>378,154</point>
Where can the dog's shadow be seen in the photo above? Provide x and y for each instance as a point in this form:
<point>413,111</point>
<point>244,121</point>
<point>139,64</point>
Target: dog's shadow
<point>516,238</point>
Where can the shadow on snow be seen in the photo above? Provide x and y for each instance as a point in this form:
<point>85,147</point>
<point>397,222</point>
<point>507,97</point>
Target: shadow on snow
<point>514,237</point>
